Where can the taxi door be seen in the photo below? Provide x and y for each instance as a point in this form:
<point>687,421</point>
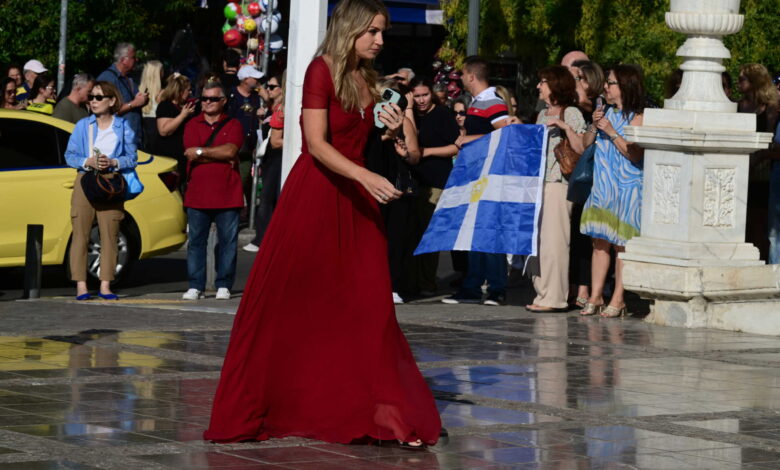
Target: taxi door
<point>35,188</point>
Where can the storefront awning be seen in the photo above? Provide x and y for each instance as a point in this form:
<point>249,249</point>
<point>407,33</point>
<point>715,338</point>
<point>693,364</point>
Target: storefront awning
<point>408,11</point>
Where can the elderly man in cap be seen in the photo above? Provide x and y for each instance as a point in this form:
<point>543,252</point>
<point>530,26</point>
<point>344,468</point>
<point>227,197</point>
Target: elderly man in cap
<point>32,68</point>
<point>246,105</point>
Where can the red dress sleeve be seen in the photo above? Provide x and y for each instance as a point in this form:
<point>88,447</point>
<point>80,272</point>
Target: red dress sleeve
<point>317,85</point>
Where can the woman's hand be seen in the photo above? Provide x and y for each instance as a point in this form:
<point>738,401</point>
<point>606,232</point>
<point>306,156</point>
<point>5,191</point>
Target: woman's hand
<point>187,109</point>
<point>558,123</point>
<point>604,125</point>
<point>401,148</point>
<point>378,187</point>
<point>460,141</point>
<point>393,117</point>
<point>598,114</point>
<point>103,162</point>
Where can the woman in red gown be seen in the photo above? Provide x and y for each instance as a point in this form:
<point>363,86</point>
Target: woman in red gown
<point>315,349</point>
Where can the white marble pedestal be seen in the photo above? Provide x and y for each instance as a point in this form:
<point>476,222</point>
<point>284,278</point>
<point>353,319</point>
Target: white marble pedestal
<point>691,257</point>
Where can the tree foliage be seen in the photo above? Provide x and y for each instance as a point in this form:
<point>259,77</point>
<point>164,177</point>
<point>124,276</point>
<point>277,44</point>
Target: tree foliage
<point>32,29</point>
<point>539,32</point>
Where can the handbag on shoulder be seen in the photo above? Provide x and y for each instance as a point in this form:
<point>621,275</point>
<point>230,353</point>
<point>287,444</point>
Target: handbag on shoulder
<point>565,155</point>
<point>581,179</point>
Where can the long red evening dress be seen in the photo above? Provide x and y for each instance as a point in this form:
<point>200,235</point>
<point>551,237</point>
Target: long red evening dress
<point>315,349</point>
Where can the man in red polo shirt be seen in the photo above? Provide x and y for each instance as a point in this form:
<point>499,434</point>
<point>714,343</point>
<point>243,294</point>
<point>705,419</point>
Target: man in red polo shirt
<point>214,194</point>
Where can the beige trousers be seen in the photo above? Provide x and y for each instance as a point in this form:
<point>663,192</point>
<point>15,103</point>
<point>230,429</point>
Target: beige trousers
<point>82,214</point>
<point>552,283</point>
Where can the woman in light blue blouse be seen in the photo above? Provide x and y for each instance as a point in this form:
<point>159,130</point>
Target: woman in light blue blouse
<point>114,141</point>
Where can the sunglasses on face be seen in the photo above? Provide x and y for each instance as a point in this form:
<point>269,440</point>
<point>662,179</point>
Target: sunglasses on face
<point>272,87</point>
<point>460,113</point>
<point>210,99</point>
<point>97,97</point>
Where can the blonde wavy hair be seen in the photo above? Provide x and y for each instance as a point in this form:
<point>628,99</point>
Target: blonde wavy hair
<point>349,20</point>
<point>760,84</point>
<point>150,82</point>
<point>174,88</point>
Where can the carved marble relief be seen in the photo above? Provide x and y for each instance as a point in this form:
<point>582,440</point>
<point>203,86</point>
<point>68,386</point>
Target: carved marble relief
<point>720,203</point>
<point>666,194</point>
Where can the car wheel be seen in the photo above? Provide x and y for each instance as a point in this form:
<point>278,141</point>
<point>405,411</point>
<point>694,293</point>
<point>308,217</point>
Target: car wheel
<point>126,252</point>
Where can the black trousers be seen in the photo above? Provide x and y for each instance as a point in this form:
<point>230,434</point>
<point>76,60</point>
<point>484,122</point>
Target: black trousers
<point>271,173</point>
<point>580,251</point>
<point>400,218</point>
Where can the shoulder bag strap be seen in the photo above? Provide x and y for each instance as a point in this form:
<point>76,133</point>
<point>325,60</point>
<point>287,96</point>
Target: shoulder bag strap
<point>89,131</point>
<point>215,132</point>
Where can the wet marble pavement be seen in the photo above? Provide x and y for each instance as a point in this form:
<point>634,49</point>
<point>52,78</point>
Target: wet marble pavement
<point>516,391</point>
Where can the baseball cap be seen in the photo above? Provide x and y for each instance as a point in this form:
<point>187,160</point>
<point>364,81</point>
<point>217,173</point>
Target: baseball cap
<point>35,66</point>
<point>247,71</point>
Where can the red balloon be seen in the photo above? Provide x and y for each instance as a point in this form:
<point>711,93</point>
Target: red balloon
<point>254,9</point>
<point>238,7</point>
<point>232,38</point>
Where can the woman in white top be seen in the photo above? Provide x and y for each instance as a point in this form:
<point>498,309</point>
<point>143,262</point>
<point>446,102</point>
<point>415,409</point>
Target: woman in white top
<point>115,141</point>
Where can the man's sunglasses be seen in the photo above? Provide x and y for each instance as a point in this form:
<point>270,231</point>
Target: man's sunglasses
<point>211,99</point>
<point>97,97</point>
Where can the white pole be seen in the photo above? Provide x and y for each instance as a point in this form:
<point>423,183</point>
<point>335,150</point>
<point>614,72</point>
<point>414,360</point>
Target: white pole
<point>307,30</point>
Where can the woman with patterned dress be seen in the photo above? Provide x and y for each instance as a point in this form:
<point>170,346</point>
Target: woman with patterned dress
<point>611,215</point>
<point>315,349</point>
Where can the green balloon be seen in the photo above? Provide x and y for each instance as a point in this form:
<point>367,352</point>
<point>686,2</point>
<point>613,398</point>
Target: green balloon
<point>226,27</point>
<point>230,11</point>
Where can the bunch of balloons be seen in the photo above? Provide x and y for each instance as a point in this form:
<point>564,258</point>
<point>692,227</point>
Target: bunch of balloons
<point>246,24</point>
<point>446,75</point>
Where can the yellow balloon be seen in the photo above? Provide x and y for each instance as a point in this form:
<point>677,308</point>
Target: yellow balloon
<point>250,25</point>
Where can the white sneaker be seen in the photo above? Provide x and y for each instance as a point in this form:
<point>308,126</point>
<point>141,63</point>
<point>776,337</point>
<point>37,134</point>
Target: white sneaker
<point>251,247</point>
<point>192,294</point>
<point>397,298</point>
<point>223,294</point>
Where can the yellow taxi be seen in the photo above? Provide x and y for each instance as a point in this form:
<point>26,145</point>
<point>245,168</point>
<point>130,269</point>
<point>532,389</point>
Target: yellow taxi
<point>36,186</point>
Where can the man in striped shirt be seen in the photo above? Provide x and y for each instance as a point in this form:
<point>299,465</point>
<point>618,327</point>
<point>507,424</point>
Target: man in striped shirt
<point>486,113</point>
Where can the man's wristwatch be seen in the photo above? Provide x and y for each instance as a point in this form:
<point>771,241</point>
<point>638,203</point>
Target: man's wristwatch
<point>199,151</point>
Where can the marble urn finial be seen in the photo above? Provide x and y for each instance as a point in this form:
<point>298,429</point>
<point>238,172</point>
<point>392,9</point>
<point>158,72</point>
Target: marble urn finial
<point>705,22</point>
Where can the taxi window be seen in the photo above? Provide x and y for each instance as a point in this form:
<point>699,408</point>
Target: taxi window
<point>28,144</point>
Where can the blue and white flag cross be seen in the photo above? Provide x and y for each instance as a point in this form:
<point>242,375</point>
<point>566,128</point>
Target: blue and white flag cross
<point>492,199</point>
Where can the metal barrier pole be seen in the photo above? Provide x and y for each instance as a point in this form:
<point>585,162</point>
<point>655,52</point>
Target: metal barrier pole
<point>211,262</point>
<point>33,262</point>
<point>253,199</point>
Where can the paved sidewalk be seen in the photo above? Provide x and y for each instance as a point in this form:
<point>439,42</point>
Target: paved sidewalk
<point>129,385</point>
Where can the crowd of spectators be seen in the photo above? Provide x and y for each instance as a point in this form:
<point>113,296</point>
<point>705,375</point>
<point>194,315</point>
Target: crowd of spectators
<point>578,100</point>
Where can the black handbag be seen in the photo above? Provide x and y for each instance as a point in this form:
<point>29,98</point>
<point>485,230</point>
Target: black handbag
<point>103,187</point>
<point>581,179</point>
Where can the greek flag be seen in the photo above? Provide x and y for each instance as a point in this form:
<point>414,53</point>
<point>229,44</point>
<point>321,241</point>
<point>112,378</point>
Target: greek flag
<point>493,196</point>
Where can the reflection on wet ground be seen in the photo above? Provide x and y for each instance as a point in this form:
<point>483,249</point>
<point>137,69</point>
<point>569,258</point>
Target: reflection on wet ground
<point>514,391</point>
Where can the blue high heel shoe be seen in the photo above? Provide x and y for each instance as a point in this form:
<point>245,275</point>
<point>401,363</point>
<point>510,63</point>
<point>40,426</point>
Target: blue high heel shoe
<point>108,296</point>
